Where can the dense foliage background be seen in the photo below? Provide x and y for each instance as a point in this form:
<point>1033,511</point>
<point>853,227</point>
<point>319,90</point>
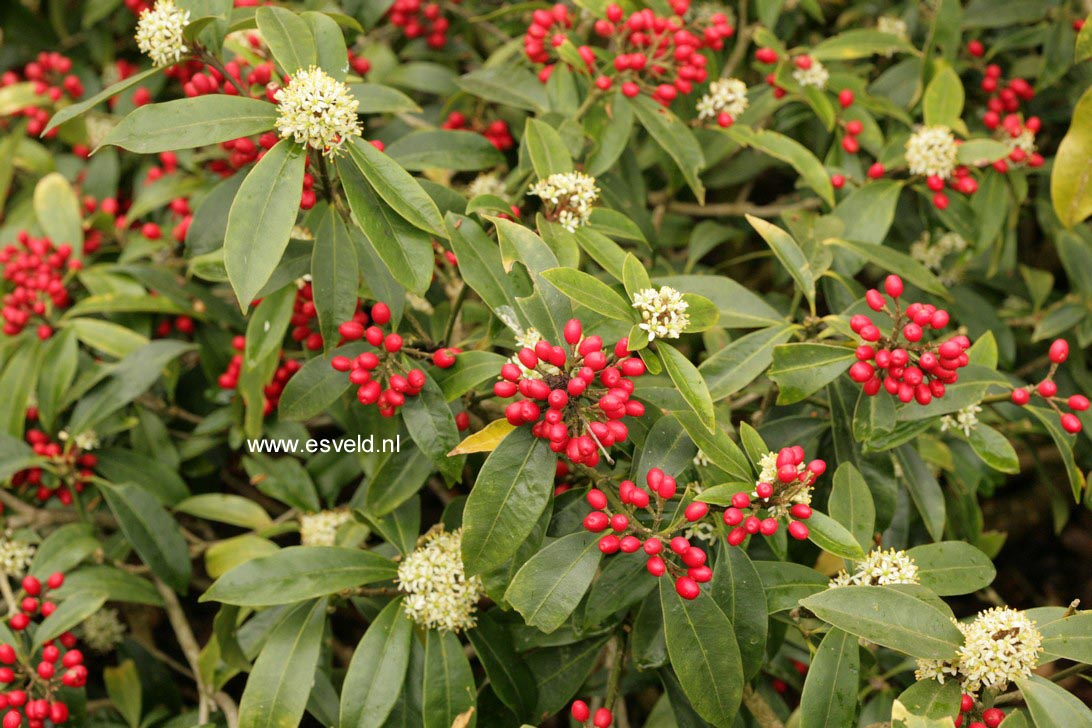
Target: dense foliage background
<point>244,244</point>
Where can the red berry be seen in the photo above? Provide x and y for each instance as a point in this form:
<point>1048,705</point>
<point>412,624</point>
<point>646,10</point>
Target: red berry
<point>1071,424</point>
<point>976,49</point>
<point>992,717</point>
<point>580,711</point>
<point>1059,351</point>
<point>876,171</point>
<point>845,98</point>
<point>966,703</point>
<point>1047,388</point>
<point>687,587</point>
<point>1078,403</point>
<point>837,181</point>
<point>603,718</point>
<point>381,313</point>
<point>798,530</point>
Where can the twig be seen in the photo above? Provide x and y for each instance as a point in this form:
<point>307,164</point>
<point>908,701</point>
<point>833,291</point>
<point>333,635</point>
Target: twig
<point>760,710</point>
<point>737,209</point>
<point>189,646</point>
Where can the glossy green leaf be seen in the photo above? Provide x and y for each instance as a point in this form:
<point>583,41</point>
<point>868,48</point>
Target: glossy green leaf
<point>448,684</point>
<point>153,533</point>
<point>789,253</point>
<point>829,699</point>
<point>952,567</point>
<point>675,139</point>
<point>591,292</point>
<point>1052,705</point>
<point>851,504</point>
<point>690,383</point>
<point>800,370</point>
<point>397,188</point>
<point>374,679</point>
<point>547,149</point>
<point>192,122</point>
<point>289,38</point>
<point>548,587</point>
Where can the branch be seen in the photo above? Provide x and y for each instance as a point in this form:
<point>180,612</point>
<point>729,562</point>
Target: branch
<point>738,209</point>
<point>189,646</point>
<point>760,710</point>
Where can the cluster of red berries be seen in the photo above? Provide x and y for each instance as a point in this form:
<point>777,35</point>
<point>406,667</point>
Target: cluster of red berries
<point>418,19</point>
<point>786,499</point>
<point>198,79</point>
<point>497,131</point>
<point>912,370</point>
<point>273,390</point>
<point>70,470</point>
<point>991,717</point>
<point>768,57</point>
<point>54,668</point>
<point>586,392</point>
<point>960,181</point>
<point>581,713</point>
<point>51,78</point>
<point>359,64</point>
<point>1048,390</point>
<point>380,376</point>
<point>629,534</point>
<point>182,324</point>
<point>303,313</point>
<point>1014,127</point>
<point>36,268</point>
<point>241,152</point>
<point>646,53</point>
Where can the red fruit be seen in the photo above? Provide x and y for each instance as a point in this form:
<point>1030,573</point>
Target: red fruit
<point>351,330</point>
<point>741,500</point>
<point>580,711</point>
<point>1047,388</point>
<point>992,717</point>
<point>32,586</point>
<point>966,703</point>
<point>381,313</point>
<point>845,98</point>
<point>893,285</point>
<point>854,127</point>
<point>687,587</point>
<point>596,521</point>
<point>573,331</point>
<point>838,181</point>
<point>976,49</point>
<point>766,55</point>
<point>696,511</point>
<point>603,718</point>
<point>609,544</point>
<point>798,530</point>
<point>1078,403</point>
<point>656,566</point>
<point>801,511</point>
<point>1059,351</point>
<point>876,171</point>
<point>1071,424</point>
<point>875,300</point>
<point>392,343</point>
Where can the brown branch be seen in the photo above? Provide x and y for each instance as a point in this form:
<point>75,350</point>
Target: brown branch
<point>760,710</point>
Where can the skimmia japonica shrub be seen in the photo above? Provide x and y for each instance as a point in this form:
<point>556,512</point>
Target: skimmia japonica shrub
<point>452,363</point>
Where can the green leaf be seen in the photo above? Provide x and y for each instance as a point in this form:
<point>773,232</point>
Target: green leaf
<point>859,43</point>
<point>329,41</point>
<point>705,656</point>
<point>123,688</point>
<point>73,110</point>
<point>667,446</point>
<point>737,589</point>
<point>399,476</point>
<point>193,122</point>
<point>833,537</point>
<point>64,549</point>
<point>513,487</point>
<point>741,362</point>
<point>980,152</point>
<point>675,138</point>
<point>297,573</point>
<point>507,672</point>
<point>1053,706</point>
<point>479,261</point>
<point>153,533</point>
<point>889,617</point>
<point>790,151</point>
<point>994,449</point>
<point>690,383</point>
<point>471,369</point>
<point>509,85</point>
<point>1069,637</point>
<point>459,151</point>
<point>68,615</point>
<point>1064,443</point>
<point>786,583</point>
<point>118,585</point>
<point>58,211</point>
<point>999,13</point>
<point>803,369</point>
<point>869,210</point>
<point>717,446</point>
<point>924,489</point>
<point>432,426</point>
<point>376,98</point>
<point>634,275</point>
<point>316,385</point>
<point>404,249</point>
<point>397,188</point>
<point>790,255</point>
<point>261,219</point>
<point>829,699</point>
<point>930,699</point>
<point>289,38</point>
<point>952,567</point>
<point>548,587</point>
<point>335,276</point>
<point>851,504</point>
<point>898,262</point>
<point>226,508</point>
<point>448,687</point>
<point>942,103</point>
<point>1070,176</point>
<point>62,353</point>
<point>277,689</point>
<point>591,292</point>
<point>377,670</point>
<point>547,149</point>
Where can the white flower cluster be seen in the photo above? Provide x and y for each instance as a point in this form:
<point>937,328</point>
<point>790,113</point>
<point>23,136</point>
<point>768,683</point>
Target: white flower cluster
<point>725,96</point>
<point>102,631</point>
<point>570,195</point>
<point>767,468</point>
<point>965,419</point>
<point>816,75</point>
<point>86,440</point>
<point>999,646</point>
<point>663,312</point>
<point>701,459</point>
<point>932,253</point>
<point>1025,142</point>
<point>439,595</point>
<point>527,340</point>
<point>320,529</point>
<point>159,33</point>
<point>892,26</point>
<point>318,111</point>
<point>931,150</point>
<point>15,556</point>
<point>880,568</point>
<point>487,183</point>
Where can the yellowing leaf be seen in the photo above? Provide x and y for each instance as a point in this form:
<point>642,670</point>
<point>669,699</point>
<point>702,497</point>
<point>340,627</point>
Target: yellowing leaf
<point>485,439</point>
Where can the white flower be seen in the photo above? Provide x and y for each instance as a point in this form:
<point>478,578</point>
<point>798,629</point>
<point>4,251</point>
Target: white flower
<point>965,419</point>
<point>318,111</point>
<point>931,150</point>
<point>488,183</point>
<point>880,568</point>
<point>159,33</point>
<point>999,646</point>
<point>86,440</point>
<point>663,312</point>
<point>527,340</point>
<point>815,75</point>
<point>439,595</point>
<point>725,96</point>
<point>15,556</point>
<point>102,631</point>
<point>1026,141</point>
<point>701,459</point>
<point>702,531</point>
<point>891,25</point>
<point>569,197</point>
<point>767,467</point>
<point>320,529</point>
